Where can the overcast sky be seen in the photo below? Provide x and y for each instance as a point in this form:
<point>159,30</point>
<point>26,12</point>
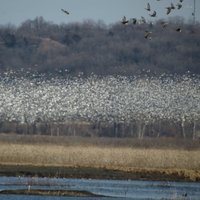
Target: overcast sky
<point>110,11</point>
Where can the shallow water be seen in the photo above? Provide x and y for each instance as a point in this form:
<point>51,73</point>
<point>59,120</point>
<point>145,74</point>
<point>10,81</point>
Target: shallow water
<point>113,189</point>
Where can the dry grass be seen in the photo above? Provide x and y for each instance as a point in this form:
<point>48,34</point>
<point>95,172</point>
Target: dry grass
<point>55,155</point>
<point>124,158</point>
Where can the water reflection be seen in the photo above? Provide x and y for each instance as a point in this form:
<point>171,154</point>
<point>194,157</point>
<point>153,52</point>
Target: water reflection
<point>119,189</point>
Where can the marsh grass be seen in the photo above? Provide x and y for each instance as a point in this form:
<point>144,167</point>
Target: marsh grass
<point>55,155</point>
<point>146,143</point>
<point>109,154</point>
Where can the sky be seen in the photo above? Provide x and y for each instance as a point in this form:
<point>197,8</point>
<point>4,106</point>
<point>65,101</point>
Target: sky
<point>109,11</point>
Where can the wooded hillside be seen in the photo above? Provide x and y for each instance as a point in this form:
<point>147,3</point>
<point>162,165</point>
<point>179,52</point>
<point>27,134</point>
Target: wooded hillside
<point>95,48</point>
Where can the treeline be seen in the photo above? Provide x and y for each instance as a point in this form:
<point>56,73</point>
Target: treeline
<point>163,128</point>
<point>95,48</point>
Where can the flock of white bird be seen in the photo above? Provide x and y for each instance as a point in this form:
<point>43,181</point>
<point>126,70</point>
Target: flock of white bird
<point>107,99</point>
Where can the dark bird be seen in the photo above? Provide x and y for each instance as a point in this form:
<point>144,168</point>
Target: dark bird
<point>179,6</point>
<point>124,20</point>
<point>65,11</point>
<point>185,194</point>
<point>181,1</point>
<point>178,29</point>
<point>148,7</point>
<point>168,10</point>
<point>154,14</point>
<point>172,6</point>
<point>134,20</point>
<point>147,35</point>
<point>143,20</point>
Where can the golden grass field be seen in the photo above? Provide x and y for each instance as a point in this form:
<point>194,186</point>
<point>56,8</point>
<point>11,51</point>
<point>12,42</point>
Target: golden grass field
<point>113,155</point>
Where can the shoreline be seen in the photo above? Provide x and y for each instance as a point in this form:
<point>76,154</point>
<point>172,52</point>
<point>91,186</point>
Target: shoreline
<point>66,193</point>
<point>100,172</point>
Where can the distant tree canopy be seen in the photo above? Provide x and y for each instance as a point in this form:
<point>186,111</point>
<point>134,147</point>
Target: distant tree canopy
<point>95,48</point>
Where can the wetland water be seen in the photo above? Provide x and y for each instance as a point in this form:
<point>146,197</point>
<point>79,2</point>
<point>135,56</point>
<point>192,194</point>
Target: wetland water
<point>119,189</point>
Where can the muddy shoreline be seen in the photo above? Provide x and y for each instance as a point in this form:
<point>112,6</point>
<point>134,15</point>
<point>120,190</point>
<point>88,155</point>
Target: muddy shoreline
<point>100,173</point>
<point>67,193</point>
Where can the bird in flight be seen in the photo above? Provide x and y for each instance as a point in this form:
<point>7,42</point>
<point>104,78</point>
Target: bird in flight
<point>179,6</point>
<point>124,20</point>
<point>148,8</point>
<point>153,14</point>
<point>143,20</point>
<point>147,35</point>
<point>168,10</point>
<point>65,11</point>
<point>178,30</point>
<point>134,20</point>
<point>172,6</point>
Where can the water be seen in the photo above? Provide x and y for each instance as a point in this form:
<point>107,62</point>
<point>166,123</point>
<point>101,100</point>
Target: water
<point>113,189</point>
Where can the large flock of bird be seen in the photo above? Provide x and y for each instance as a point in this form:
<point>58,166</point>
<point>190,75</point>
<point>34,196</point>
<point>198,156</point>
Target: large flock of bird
<point>106,99</point>
<point>153,13</point>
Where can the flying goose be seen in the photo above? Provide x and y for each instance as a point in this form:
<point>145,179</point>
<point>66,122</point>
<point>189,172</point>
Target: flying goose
<point>148,8</point>
<point>134,20</point>
<point>65,11</point>
<point>143,20</point>
<point>178,29</point>
<point>147,35</point>
<point>124,20</point>
<point>154,14</point>
<point>185,194</point>
<point>172,6</point>
<point>168,10</point>
<point>179,6</point>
